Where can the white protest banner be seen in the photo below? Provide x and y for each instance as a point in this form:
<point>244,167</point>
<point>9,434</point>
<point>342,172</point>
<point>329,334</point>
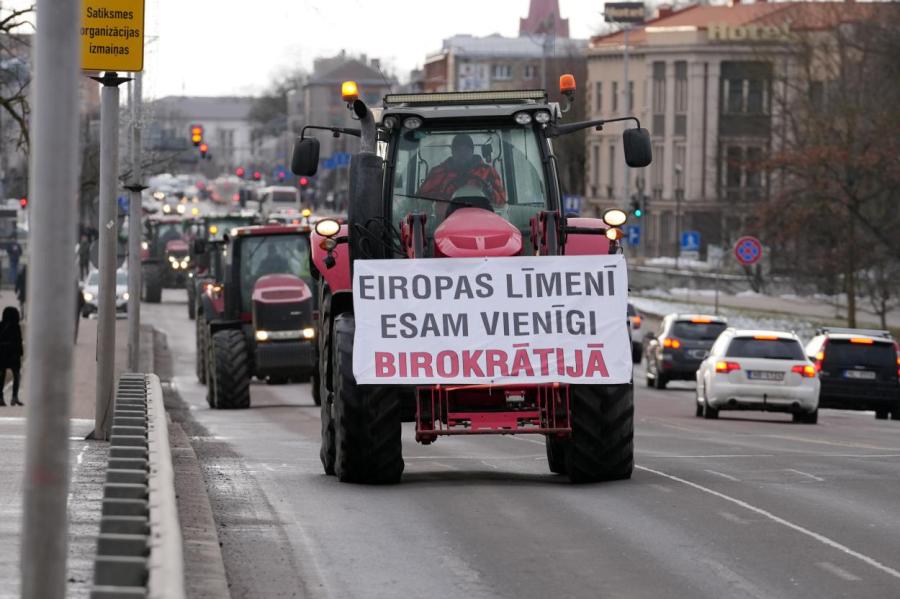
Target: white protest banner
<point>529,319</point>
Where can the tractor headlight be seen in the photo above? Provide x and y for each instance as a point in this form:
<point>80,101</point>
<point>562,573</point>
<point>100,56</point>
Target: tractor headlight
<point>523,118</point>
<point>145,245</point>
<point>309,333</point>
<point>88,296</point>
<point>328,227</point>
<point>167,209</point>
<point>615,217</point>
<point>184,264</point>
<point>125,296</point>
<point>412,122</point>
<point>180,208</point>
<point>542,116</point>
<point>262,335</point>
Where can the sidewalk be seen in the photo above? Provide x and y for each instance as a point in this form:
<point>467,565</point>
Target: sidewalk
<point>808,308</point>
<point>88,460</point>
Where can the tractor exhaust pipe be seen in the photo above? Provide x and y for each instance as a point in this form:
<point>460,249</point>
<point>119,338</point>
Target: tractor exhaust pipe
<point>367,126</point>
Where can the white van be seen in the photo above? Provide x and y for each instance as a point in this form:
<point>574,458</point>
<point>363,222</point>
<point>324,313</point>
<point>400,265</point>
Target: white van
<point>278,198</point>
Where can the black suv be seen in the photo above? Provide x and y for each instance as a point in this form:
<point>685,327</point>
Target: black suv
<point>858,369</point>
<point>682,342</point>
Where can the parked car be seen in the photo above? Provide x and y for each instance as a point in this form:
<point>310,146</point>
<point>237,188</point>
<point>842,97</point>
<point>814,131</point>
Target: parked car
<point>758,370</point>
<point>91,290</point>
<point>858,369</point>
<point>634,325</point>
<point>682,342</point>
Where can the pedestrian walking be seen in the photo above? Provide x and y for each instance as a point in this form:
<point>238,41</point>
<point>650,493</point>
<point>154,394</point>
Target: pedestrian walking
<point>13,252</point>
<point>21,284</point>
<point>11,352</point>
<point>84,257</point>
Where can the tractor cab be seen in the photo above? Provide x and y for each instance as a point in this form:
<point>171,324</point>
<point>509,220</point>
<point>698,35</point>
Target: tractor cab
<point>258,320</point>
<point>165,256</point>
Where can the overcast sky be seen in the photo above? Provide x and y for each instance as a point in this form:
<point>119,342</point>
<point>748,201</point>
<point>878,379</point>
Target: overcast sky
<point>220,47</point>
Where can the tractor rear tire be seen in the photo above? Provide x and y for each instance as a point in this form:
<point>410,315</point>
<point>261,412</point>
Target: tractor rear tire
<point>602,444</point>
<point>152,284</point>
<point>367,423</point>
<point>201,350</point>
<point>556,453</point>
<point>231,373</point>
<point>323,352</point>
<point>327,449</point>
<point>191,303</point>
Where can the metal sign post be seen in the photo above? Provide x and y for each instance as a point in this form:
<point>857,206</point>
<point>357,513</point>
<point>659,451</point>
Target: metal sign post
<point>134,231</point>
<point>51,298</point>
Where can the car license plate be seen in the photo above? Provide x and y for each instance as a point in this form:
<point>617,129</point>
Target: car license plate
<point>859,374</point>
<point>699,354</point>
<point>765,375</point>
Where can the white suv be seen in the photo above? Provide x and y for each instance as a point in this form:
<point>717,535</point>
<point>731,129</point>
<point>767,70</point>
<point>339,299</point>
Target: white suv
<point>758,370</point>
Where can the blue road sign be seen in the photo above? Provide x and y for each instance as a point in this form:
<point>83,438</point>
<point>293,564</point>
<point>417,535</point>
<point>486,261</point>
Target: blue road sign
<point>123,203</point>
<point>690,241</point>
<point>329,163</point>
<point>341,159</point>
<point>633,234</point>
<point>572,204</point>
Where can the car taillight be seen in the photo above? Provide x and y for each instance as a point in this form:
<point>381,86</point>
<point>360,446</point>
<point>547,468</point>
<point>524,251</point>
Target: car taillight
<point>805,370</point>
<point>727,366</point>
<point>636,322</point>
<point>897,351</point>
<point>673,343</point>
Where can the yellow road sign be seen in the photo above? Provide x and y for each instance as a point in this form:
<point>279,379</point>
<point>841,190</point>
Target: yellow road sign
<point>112,35</point>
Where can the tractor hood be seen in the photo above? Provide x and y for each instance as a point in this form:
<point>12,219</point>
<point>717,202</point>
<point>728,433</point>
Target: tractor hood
<point>474,232</point>
<point>282,303</point>
<point>176,246</point>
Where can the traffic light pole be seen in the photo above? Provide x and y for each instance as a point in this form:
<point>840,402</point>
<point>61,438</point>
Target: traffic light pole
<point>51,295</point>
<point>106,300</point>
<point>135,213</point>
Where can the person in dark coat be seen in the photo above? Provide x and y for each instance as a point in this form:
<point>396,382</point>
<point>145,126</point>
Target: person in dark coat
<point>11,351</point>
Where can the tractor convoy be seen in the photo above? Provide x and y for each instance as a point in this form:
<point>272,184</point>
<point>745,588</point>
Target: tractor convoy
<point>455,189</point>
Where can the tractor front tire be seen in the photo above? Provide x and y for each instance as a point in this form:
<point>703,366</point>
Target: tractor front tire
<point>191,303</point>
<point>367,423</point>
<point>152,284</point>
<point>556,453</point>
<point>231,370</point>
<point>201,350</point>
<point>602,444</point>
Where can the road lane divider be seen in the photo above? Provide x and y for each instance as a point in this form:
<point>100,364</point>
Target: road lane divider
<point>824,540</point>
<point>139,548</point>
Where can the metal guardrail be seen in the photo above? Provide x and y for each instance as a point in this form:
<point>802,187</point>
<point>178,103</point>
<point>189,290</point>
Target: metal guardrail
<point>139,550</point>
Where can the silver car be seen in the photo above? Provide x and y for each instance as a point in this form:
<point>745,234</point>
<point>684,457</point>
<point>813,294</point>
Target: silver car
<point>91,291</point>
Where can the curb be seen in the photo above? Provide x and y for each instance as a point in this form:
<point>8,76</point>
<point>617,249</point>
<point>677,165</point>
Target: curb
<point>139,551</point>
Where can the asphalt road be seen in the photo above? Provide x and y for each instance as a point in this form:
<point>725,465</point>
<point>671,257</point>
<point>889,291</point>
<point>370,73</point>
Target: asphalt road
<point>749,505</point>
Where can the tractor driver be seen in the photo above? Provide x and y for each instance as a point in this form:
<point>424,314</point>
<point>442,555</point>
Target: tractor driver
<point>463,169</point>
<point>273,263</point>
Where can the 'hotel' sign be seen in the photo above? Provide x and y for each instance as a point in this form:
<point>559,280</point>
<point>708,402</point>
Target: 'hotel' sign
<point>747,33</point>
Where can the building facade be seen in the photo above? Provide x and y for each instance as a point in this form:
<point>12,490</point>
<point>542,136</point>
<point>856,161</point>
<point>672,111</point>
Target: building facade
<point>702,80</point>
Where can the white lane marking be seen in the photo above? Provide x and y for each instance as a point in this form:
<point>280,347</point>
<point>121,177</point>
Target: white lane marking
<point>723,475</point>
<point>715,455</point>
<point>733,517</point>
<point>805,531</point>
<point>833,443</point>
<point>838,571</point>
<point>806,474</point>
<point>735,580</point>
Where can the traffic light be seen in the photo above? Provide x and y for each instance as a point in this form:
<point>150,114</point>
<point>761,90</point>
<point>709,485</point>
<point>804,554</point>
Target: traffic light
<point>636,210</point>
<point>257,175</point>
<point>23,203</point>
<point>196,135</point>
<point>281,175</point>
<point>240,172</point>
<point>303,181</point>
<point>204,149</point>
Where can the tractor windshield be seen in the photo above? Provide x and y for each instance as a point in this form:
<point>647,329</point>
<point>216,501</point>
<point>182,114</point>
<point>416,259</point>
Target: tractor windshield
<point>498,169</point>
<point>166,232</point>
<point>270,255</point>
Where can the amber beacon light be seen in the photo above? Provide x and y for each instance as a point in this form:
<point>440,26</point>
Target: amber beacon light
<point>349,91</point>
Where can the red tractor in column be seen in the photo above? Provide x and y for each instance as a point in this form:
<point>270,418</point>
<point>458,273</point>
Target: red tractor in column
<point>258,321</point>
<point>406,203</point>
<point>165,258</point>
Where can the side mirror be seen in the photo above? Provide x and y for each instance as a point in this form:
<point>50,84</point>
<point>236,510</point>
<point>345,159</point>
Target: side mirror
<point>199,246</point>
<point>638,150</point>
<point>305,159</point>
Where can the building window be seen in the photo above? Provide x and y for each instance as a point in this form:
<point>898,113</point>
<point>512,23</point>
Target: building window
<point>742,172</point>
<point>531,71</point>
<point>745,88</point>
<point>681,96</point>
<point>658,103</point>
<point>502,71</point>
<point>614,96</point>
<point>598,96</point>
<point>656,170</point>
<point>611,186</point>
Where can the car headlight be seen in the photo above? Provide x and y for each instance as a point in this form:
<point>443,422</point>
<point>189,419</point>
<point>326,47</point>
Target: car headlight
<point>88,296</point>
<point>145,245</point>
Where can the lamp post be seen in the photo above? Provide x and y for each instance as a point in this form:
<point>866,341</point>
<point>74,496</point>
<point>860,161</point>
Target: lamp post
<point>679,195</point>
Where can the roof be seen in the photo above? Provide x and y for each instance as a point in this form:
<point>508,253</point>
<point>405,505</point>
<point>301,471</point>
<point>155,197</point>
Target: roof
<point>261,230</point>
<point>226,108</point>
<point>351,70</point>
<point>544,15</point>
<point>804,16</point>
<point>710,317</point>
<point>495,46</point>
<point>763,333</point>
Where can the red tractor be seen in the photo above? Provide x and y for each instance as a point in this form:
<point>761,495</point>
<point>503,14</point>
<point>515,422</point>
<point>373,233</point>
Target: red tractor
<point>406,204</point>
<point>258,320</point>
<point>165,257</point>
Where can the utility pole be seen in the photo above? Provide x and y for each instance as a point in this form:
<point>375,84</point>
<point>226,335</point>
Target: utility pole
<point>51,291</point>
<point>106,304</point>
<point>135,213</point>
<point>627,88</point>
